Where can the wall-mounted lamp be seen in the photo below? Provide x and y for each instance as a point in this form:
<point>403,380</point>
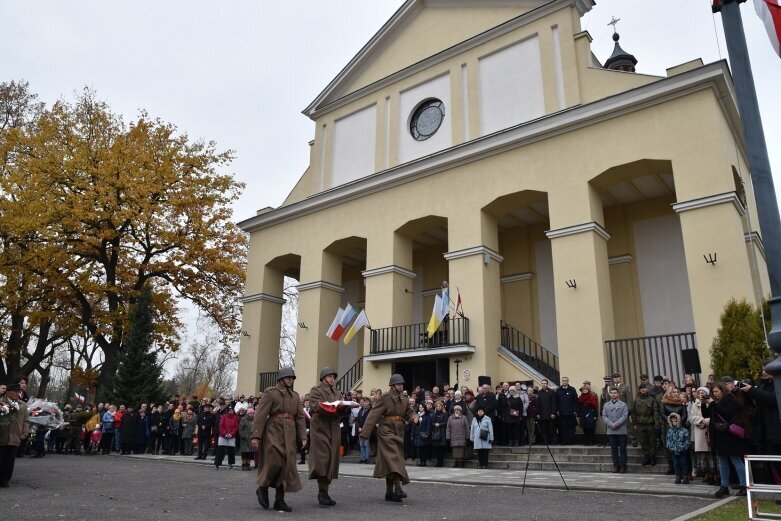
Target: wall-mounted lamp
<point>245,333</point>
<point>572,284</point>
<point>302,325</point>
<point>407,291</point>
<point>710,258</point>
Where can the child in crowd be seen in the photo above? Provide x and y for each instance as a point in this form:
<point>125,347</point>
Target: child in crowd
<point>94,441</point>
<point>678,445</point>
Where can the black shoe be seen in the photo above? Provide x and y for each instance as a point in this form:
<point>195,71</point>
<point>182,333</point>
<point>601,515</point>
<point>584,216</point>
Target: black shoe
<point>392,496</point>
<point>685,481</point>
<point>741,491</point>
<point>722,492</point>
<point>399,492</point>
<point>262,493</point>
<point>280,505</point>
<point>324,499</point>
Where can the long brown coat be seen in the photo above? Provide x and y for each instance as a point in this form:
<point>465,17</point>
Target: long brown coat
<point>324,433</point>
<point>17,429</point>
<point>390,433</point>
<point>278,437</point>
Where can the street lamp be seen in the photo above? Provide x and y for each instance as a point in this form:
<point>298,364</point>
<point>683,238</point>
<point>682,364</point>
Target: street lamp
<point>759,165</point>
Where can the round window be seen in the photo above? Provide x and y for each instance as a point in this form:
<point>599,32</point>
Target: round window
<point>426,119</point>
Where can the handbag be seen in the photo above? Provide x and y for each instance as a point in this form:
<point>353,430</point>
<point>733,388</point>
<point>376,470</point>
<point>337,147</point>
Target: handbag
<point>424,436</point>
<point>737,431</point>
<point>484,434</point>
<point>515,412</point>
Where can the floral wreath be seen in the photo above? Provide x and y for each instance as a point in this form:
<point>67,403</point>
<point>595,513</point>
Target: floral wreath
<point>8,410</point>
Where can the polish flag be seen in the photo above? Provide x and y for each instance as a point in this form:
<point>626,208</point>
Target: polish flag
<point>334,323</point>
<point>348,315</point>
<point>769,11</point>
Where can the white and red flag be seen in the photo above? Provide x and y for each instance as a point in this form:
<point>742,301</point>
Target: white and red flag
<point>769,11</point>
<point>344,321</point>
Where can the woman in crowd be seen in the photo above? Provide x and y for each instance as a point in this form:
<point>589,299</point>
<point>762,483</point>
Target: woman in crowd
<point>422,434</point>
<point>229,429</point>
<point>141,433</point>
<point>530,419</point>
<point>723,410</point>
<point>456,433</point>
<point>703,463</point>
<point>672,403</point>
<point>360,420</point>
<point>174,431</point>
<point>188,431</point>
<point>439,432</point>
<point>512,416</point>
<point>107,426</point>
<point>482,436</point>
<point>245,437</point>
<point>587,413</point>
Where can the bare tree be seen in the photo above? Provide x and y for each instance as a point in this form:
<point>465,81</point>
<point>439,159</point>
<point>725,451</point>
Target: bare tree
<point>287,337</point>
<point>206,365</point>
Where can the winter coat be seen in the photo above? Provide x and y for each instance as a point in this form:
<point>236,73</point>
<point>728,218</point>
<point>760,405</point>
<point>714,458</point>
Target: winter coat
<point>16,430</point>
<point>422,431</point>
<point>441,419</point>
<point>533,410</point>
<point>678,408</point>
<point>204,424</point>
<point>142,430</point>
<point>699,435</point>
<point>107,422</point>
<point>325,434</point>
<point>474,433</point>
<point>615,414</point>
<point>390,433</point>
<point>130,423</point>
<point>725,411</point>
<point>188,426</point>
<point>279,435</point>
<point>514,403</point>
<point>546,403</point>
<point>587,402</point>
<point>766,426</point>
<point>566,400</point>
<point>677,438</point>
<point>457,431</point>
<point>229,425</point>
<point>488,403</point>
<point>245,434</point>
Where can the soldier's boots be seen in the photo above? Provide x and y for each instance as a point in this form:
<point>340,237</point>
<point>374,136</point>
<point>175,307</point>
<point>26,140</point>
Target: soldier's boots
<point>392,496</point>
<point>400,493</point>
<point>324,499</point>
<point>280,505</point>
<point>262,493</point>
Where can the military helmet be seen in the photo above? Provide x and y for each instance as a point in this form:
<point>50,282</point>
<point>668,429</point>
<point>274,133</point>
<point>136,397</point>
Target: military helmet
<point>396,379</point>
<point>286,372</point>
<point>326,371</point>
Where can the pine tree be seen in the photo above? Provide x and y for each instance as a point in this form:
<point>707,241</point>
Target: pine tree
<point>739,349</point>
<point>139,377</point>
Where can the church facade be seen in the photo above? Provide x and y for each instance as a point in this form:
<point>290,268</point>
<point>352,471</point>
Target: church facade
<point>591,218</point>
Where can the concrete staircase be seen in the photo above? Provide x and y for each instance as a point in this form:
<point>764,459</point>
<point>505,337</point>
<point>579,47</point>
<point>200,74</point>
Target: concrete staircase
<point>574,458</point>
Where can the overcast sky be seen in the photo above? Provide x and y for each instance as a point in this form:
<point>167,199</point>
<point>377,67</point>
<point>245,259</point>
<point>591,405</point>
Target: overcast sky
<point>240,72</point>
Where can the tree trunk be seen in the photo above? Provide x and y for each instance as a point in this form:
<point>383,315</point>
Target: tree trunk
<point>109,369</point>
<point>45,379</point>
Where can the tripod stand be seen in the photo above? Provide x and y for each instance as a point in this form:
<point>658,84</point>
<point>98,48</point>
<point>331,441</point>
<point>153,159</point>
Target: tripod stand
<point>538,432</point>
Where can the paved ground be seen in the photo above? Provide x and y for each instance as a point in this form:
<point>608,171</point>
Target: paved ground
<point>97,488</point>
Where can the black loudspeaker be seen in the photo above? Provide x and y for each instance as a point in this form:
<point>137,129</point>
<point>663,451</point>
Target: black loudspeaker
<point>484,380</point>
<point>691,361</point>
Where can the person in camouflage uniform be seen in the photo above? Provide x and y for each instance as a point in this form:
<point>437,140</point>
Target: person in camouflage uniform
<point>645,413</point>
<point>73,440</point>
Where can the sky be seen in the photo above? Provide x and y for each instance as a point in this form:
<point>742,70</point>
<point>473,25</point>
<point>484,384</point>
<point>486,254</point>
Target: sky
<point>240,72</point>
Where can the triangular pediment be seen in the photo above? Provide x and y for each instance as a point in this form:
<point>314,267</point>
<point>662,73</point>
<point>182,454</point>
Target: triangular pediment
<point>419,30</point>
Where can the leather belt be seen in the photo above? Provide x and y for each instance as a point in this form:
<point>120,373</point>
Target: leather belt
<point>394,418</point>
<point>284,415</point>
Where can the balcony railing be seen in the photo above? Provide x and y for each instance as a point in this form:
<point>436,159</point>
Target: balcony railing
<point>530,352</point>
<point>268,380</point>
<point>451,332</point>
<point>351,377</point>
<point>650,355</point>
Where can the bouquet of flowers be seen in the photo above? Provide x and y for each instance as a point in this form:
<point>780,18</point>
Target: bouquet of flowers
<point>7,411</point>
<point>45,414</point>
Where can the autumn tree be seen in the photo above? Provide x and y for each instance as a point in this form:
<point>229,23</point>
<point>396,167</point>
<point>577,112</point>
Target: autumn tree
<point>116,206</point>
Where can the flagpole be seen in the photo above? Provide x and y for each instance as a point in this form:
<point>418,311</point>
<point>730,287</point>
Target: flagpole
<point>759,165</point>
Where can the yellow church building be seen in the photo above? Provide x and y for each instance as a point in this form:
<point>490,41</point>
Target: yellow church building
<point>591,218</point>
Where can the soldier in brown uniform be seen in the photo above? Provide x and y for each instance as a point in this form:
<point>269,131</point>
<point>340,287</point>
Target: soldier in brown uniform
<point>325,434</point>
<point>279,423</point>
<point>389,414</point>
<point>14,433</point>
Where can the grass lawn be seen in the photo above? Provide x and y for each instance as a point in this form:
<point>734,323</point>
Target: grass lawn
<point>736,510</point>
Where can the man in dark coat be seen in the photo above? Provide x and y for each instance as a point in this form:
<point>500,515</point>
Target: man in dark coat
<point>278,427</point>
<point>130,424</point>
<point>325,433</point>
<point>766,431</point>
<point>204,426</point>
<point>390,414</point>
<point>487,401</point>
<point>566,411</point>
<point>546,411</point>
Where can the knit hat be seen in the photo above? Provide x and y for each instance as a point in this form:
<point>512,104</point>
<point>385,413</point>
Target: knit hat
<point>251,410</point>
<point>707,391</point>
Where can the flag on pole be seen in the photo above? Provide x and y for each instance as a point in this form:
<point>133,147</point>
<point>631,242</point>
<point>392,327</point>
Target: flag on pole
<point>437,314</point>
<point>769,11</point>
<point>458,304</point>
<point>359,323</point>
<point>348,315</point>
<point>334,323</point>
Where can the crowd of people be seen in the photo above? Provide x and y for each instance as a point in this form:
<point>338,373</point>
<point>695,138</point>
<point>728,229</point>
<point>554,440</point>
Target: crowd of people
<point>701,431</point>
